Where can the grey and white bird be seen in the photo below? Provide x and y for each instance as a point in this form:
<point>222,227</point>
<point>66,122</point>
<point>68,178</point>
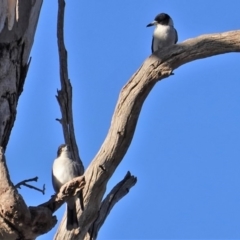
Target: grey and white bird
<point>65,169</point>
<point>164,34</point>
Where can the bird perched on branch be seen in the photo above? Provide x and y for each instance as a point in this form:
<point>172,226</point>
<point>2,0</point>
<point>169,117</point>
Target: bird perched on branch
<point>164,34</point>
<point>65,169</point>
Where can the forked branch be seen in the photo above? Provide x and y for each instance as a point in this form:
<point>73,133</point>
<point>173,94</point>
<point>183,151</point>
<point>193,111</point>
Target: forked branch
<point>158,66</point>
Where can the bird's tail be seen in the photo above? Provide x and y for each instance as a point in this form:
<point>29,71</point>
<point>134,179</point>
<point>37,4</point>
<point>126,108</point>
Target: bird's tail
<point>80,196</point>
<point>72,221</point>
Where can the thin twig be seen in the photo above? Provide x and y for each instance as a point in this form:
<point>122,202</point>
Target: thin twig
<point>24,183</point>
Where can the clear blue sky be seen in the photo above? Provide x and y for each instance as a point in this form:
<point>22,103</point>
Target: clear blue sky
<point>185,152</point>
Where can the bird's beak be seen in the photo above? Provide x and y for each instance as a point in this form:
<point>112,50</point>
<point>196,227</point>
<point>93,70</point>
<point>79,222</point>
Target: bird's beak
<point>152,24</point>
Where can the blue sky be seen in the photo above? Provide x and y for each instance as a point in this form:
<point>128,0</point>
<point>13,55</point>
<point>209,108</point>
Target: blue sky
<point>185,151</point>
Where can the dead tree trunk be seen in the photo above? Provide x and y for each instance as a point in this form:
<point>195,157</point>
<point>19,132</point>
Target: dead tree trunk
<point>158,66</point>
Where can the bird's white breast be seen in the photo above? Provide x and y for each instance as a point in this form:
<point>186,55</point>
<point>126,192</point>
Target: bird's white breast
<point>164,36</point>
<point>64,169</point>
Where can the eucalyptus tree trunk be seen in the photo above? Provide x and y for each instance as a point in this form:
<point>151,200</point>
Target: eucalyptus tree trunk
<point>17,29</point>
<point>18,21</point>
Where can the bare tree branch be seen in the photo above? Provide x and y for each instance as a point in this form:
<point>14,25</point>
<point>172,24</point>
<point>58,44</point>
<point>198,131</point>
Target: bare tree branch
<point>24,183</point>
<point>157,67</point>
<point>64,98</point>
<point>64,95</point>
<point>68,190</point>
<point>116,194</point>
